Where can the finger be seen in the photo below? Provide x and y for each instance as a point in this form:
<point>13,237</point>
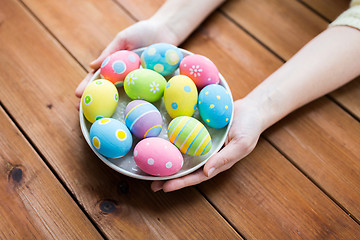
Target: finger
<point>78,106</point>
<point>116,44</point>
<point>157,185</point>
<point>225,158</point>
<point>81,87</point>
<point>188,180</point>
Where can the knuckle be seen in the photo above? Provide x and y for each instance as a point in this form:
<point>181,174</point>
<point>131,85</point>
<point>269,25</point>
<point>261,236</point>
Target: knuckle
<point>244,145</point>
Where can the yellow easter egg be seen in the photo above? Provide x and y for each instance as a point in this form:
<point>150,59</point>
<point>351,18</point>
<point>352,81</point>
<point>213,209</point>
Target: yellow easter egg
<point>180,96</point>
<point>99,100</point>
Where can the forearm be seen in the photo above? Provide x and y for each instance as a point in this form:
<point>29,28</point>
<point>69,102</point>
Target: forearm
<point>182,17</point>
<point>327,62</point>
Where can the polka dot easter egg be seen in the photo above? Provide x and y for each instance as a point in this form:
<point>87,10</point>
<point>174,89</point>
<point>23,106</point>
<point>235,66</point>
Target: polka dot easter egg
<point>215,106</point>
<point>200,69</point>
<point>189,135</point>
<point>163,58</point>
<point>99,100</point>
<point>110,138</point>
<point>116,66</point>
<point>144,84</point>
<point>180,96</point>
<point>143,119</point>
<point>158,157</point>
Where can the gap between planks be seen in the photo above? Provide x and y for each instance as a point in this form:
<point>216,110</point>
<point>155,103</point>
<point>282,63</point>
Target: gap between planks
<point>49,165</point>
<point>314,11</point>
<point>312,180</point>
<point>268,48</point>
<point>41,156</point>
<point>247,32</point>
<point>328,96</point>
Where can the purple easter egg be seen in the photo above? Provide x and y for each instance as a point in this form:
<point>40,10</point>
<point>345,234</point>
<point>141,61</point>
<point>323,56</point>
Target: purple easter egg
<point>143,119</point>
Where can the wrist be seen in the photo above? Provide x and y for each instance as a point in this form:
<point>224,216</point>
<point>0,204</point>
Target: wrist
<point>265,106</point>
<point>163,31</point>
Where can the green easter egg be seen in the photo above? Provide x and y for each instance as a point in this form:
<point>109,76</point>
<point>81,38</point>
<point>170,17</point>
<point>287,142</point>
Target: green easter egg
<point>144,84</point>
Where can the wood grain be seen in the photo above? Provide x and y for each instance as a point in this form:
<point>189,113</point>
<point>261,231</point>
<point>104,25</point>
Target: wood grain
<point>330,154</point>
<point>330,9</point>
<point>270,199</point>
<point>93,25</point>
<point>34,205</point>
<point>40,97</point>
<point>284,27</point>
<point>250,64</point>
<point>123,206</point>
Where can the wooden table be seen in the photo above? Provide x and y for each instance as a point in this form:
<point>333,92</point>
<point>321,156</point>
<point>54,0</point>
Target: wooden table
<point>301,181</point>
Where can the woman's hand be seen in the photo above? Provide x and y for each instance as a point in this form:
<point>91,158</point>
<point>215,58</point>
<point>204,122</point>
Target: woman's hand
<point>141,34</point>
<point>242,139</point>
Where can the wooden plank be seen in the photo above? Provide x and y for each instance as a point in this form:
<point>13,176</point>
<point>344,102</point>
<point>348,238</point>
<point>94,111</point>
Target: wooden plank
<point>348,97</point>
<point>270,199</point>
<point>334,157</point>
<point>292,25</point>
<point>91,24</point>
<point>250,64</point>
<point>33,203</point>
<point>40,97</point>
<point>330,9</point>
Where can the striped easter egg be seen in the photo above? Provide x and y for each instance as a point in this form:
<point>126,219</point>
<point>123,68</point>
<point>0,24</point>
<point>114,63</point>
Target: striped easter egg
<point>189,135</point>
<point>143,119</point>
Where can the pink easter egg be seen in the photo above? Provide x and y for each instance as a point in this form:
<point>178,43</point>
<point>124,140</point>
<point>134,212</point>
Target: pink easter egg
<point>158,157</point>
<point>200,69</point>
<point>116,66</point>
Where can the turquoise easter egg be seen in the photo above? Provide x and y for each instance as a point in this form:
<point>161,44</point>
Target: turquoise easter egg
<point>163,58</point>
<point>215,106</point>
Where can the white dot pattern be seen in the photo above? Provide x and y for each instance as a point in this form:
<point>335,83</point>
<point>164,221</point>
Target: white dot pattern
<point>150,161</point>
<point>168,165</point>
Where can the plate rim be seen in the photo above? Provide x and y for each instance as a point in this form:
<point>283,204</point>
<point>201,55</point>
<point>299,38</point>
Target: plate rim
<point>151,177</point>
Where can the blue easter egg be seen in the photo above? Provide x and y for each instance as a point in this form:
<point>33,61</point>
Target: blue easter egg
<point>163,58</point>
<point>215,106</point>
<point>110,137</point>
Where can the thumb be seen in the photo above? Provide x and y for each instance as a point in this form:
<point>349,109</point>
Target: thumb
<point>226,158</point>
<point>115,45</point>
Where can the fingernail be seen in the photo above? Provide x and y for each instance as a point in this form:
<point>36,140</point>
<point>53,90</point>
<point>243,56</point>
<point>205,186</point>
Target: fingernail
<point>211,172</point>
<point>93,62</point>
<point>156,186</point>
<point>156,189</point>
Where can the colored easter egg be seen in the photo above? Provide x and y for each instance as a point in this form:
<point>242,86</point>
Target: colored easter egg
<point>189,135</point>
<point>144,84</point>
<point>116,66</point>
<point>143,119</point>
<point>158,157</point>
<point>215,106</point>
<point>110,137</point>
<point>99,100</point>
<point>163,58</point>
<point>200,69</point>
<point>180,96</point>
